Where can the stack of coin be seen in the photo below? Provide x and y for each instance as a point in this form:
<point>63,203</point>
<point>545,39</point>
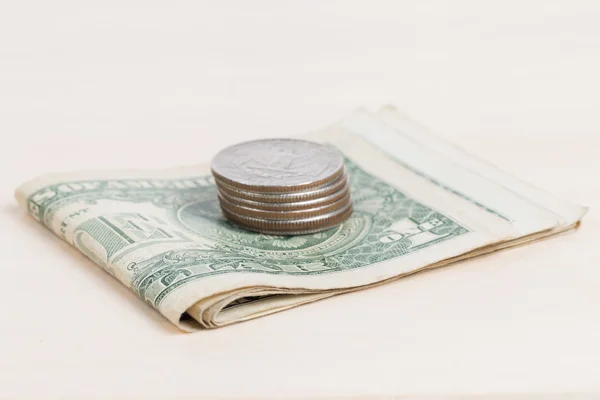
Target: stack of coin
<point>282,186</point>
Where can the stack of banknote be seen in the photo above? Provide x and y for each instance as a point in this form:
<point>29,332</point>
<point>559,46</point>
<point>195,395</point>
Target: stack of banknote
<point>419,202</point>
<point>282,186</point>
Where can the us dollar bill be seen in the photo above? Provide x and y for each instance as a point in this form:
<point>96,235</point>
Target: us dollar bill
<point>419,203</point>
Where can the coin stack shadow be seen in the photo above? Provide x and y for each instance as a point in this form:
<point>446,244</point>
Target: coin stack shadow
<point>292,209</point>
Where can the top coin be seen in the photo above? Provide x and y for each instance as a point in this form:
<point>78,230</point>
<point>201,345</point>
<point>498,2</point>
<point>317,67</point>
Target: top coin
<point>278,165</point>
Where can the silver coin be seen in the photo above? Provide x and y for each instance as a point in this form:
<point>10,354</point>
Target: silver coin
<point>277,165</point>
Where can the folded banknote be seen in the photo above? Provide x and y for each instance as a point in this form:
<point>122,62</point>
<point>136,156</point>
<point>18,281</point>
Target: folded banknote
<point>419,203</point>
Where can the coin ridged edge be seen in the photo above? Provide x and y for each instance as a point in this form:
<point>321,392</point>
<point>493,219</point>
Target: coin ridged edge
<point>299,205</point>
<point>286,214</point>
<point>279,189</point>
<point>318,222</point>
<point>300,230</point>
<point>322,191</point>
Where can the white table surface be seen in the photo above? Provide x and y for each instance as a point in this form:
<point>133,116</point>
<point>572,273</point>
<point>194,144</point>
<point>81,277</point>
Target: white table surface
<point>149,84</point>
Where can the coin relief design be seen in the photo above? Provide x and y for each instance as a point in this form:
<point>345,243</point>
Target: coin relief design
<point>277,165</point>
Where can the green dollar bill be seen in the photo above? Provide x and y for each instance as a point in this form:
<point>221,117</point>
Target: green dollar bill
<point>163,234</point>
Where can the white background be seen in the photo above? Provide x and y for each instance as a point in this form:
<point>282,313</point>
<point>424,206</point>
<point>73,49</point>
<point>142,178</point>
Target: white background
<point>150,84</point>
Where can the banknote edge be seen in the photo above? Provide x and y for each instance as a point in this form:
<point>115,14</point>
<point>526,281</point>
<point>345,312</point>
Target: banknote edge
<point>572,212</point>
